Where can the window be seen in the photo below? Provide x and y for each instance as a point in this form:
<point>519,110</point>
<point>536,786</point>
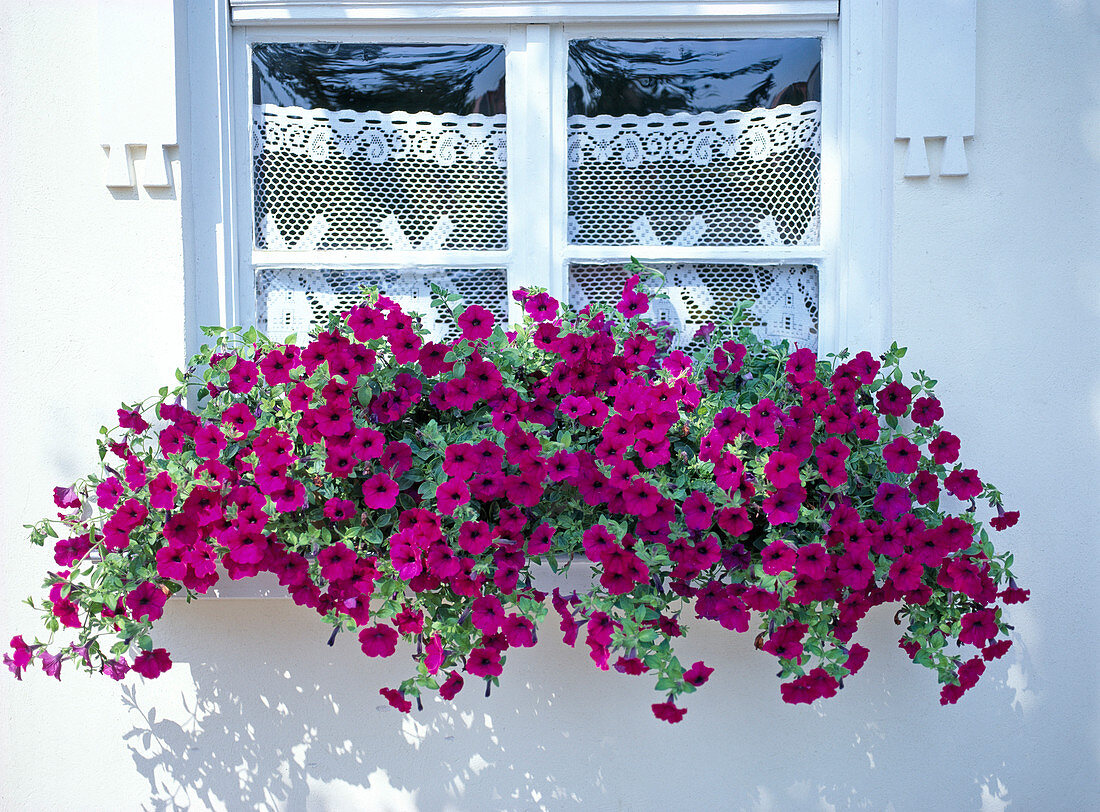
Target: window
<point>547,144</point>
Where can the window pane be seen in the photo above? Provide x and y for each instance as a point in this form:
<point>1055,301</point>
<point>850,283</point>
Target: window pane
<point>785,297</point>
<point>300,300</point>
<point>366,146</point>
<point>694,142</point>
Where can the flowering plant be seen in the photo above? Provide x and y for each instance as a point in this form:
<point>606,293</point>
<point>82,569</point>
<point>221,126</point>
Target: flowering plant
<point>406,489</point>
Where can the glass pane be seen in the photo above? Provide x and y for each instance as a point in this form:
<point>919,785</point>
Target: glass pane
<point>299,300</point>
<point>367,146</point>
<point>785,297</point>
<point>694,142</point>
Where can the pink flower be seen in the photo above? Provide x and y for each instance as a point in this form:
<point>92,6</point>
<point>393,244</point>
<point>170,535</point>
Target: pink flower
<point>902,456</point>
<point>894,399</point>
<point>451,494</point>
<point>487,614</point>
<point>484,662</point>
<point>801,366</point>
<point>243,377</point>
<point>778,557</point>
<point>108,493</point>
<point>978,627</point>
<point>782,469</point>
<point>925,487</point>
<point>782,506</point>
<point>380,492</point>
<point>452,686</point>
<point>396,699</point>
<point>697,674</point>
<point>238,420</point>
<point>892,500</point>
<point>131,419</point>
<point>339,510</point>
<point>162,492</point>
<point>698,511</point>
<point>378,641</point>
<point>944,448</point>
<point>963,484</point>
<point>476,323</point>
<point>146,602</point>
<point>668,712</point>
<point>926,411</point>
<point>151,664</point>
<point>209,441</point>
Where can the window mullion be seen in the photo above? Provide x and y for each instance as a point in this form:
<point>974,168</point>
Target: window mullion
<point>528,104</point>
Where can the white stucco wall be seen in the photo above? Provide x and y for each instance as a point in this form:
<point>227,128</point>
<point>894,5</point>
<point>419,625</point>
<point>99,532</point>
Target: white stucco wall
<point>996,291</point>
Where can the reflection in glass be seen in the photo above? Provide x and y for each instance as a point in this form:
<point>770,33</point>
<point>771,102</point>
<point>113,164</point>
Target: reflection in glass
<point>694,142</point>
<point>624,77</point>
<point>347,76</point>
<point>398,147</point>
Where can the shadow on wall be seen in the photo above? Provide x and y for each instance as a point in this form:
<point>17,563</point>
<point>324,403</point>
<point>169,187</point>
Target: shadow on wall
<point>280,721</point>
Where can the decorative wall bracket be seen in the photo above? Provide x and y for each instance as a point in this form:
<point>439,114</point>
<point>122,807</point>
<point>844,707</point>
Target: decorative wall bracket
<point>137,106</point>
<point>936,81</point>
<point>121,173</point>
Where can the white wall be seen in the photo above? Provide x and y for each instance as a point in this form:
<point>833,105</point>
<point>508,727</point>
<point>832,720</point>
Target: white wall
<point>996,292</point>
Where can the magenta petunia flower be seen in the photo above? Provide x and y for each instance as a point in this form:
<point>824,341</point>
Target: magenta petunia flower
<point>162,492</point>
<point>698,511</point>
<point>146,602</point>
<point>476,323</point>
<point>978,627</point>
<point>131,419</point>
<point>944,448</point>
<point>782,469</point>
<point>452,686</point>
<point>451,494</point>
<point>894,399</point>
<point>892,500</point>
<point>801,365</point>
<point>243,377</point>
<point>782,505</point>
<point>963,483</point>
<point>380,492</point>
<point>698,674</point>
<point>484,662</point>
<point>902,456</point>
<point>668,712</point>
<point>396,699</point>
<point>378,641</point>
<point>487,614</point>
<point>151,664</point>
<point>926,411</point>
<point>778,557</point>
<point>925,487</point>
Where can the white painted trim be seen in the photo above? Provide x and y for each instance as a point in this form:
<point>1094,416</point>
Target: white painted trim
<point>297,12</point>
<point>383,259</point>
<point>737,254</point>
<point>211,291</point>
<point>865,244</point>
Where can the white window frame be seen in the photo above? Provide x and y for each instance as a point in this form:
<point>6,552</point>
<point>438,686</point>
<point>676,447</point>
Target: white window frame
<point>857,149</point>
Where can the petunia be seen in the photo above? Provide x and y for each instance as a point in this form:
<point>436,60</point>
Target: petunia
<point>151,664</point>
<point>484,662</point>
<point>378,641</point>
<point>902,456</point>
<point>380,492</point>
<point>944,448</point>
<point>396,699</point>
<point>476,323</point>
<point>146,602</point>
<point>668,712</point>
<point>698,674</point>
<point>894,399</point>
<point>963,483</point>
